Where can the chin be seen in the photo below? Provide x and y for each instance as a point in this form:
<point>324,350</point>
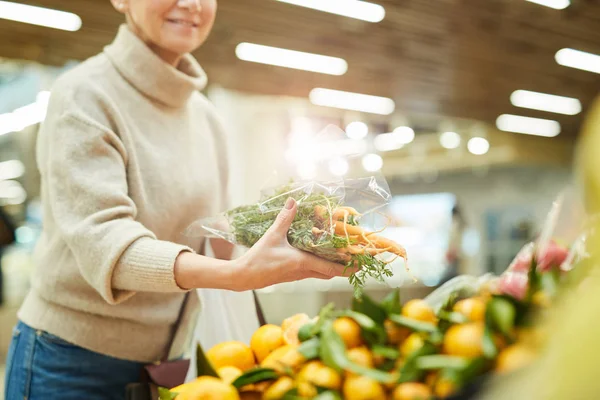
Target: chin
<point>182,46</point>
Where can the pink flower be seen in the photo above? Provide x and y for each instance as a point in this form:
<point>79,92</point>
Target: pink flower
<point>514,284</point>
<point>554,256</point>
<point>522,261</point>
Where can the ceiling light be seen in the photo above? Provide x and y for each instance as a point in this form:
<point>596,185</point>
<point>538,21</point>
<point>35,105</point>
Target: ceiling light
<point>387,142</point>
<point>47,17</point>
<point>578,59</point>
<point>545,102</point>
<point>372,162</point>
<point>25,116</point>
<point>395,140</point>
<point>556,4</point>
<point>352,101</point>
<point>11,169</point>
<point>450,140</point>
<point>291,59</point>
<point>338,166</point>
<point>478,146</point>
<point>357,130</point>
<point>362,10</point>
<point>528,125</point>
<point>11,193</point>
<point>404,134</point>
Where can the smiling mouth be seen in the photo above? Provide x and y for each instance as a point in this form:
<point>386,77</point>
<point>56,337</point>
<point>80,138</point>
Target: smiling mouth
<point>183,22</point>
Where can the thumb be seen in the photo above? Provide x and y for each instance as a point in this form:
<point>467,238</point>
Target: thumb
<point>284,218</point>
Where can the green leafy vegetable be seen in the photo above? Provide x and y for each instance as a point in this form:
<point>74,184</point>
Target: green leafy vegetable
<point>367,306</point>
<point>328,395</point>
<point>332,350</point>
<point>255,375</point>
<point>500,315</point>
<point>369,267</point>
<point>324,315</point>
<point>490,350</point>
<point>533,280</point>
<point>452,317</point>
<point>333,354</point>
<point>440,361</point>
<point>291,394</point>
<point>307,331</point>
<point>549,282</point>
<point>386,352</point>
<point>409,371</point>
<point>412,324</point>
<point>466,373</point>
<point>165,394</point>
<point>391,303</point>
<point>203,366</point>
<point>371,331</point>
<point>310,348</point>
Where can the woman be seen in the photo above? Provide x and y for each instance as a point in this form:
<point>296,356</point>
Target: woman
<point>131,153</point>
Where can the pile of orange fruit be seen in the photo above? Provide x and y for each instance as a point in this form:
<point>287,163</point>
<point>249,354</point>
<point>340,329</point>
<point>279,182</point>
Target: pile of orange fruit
<point>376,351</point>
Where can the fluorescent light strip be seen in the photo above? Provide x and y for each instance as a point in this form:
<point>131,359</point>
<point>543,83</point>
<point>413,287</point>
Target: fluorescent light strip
<point>11,169</point>
<point>395,140</point>
<point>352,101</point>
<point>578,59</point>
<point>25,116</point>
<point>528,125</point>
<point>387,142</point>
<point>291,59</point>
<point>556,4</point>
<point>47,17</point>
<point>545,102</point>
<point>362,10</point>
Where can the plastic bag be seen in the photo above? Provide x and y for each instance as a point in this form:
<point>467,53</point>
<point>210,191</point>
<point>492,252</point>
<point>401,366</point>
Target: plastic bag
<point>225,316</point>
<point>467,284</point>
<point>327,223</point>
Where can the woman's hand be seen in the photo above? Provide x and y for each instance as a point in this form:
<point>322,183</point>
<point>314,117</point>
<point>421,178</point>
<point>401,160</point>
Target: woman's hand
<point>273,260</point>
<point>270,261</point>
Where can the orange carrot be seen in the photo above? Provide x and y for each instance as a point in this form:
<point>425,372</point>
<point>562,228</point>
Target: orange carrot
<point>320,214</point>
<point>356,249</point>
<point>342,213</point>
<point>346,230</point>
<point>395,248</point>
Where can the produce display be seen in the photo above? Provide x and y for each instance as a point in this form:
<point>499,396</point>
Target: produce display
<point>388,350</point>
<point>325,225</point>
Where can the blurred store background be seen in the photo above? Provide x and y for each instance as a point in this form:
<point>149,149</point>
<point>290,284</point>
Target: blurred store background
<point>469,108</point>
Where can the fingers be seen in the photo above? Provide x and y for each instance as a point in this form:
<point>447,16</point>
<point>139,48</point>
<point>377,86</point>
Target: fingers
<point>284,219</point>
<point>317,275</point>
<point>324,267</point>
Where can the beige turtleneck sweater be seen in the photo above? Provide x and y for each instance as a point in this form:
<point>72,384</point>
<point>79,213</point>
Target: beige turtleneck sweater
<point>130,153</point>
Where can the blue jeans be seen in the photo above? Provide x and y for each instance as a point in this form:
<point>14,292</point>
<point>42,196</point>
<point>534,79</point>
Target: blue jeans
<point>43,366</point>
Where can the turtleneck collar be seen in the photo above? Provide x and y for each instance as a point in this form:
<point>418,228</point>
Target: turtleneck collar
<point>150,74</point>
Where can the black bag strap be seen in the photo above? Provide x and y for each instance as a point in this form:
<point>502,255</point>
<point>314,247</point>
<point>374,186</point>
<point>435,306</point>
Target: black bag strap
<point>259,313</point>
<point>259,310</point>
<point>176,326</point>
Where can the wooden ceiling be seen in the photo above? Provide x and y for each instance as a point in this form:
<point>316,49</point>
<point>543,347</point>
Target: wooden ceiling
<point>456,58</point>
